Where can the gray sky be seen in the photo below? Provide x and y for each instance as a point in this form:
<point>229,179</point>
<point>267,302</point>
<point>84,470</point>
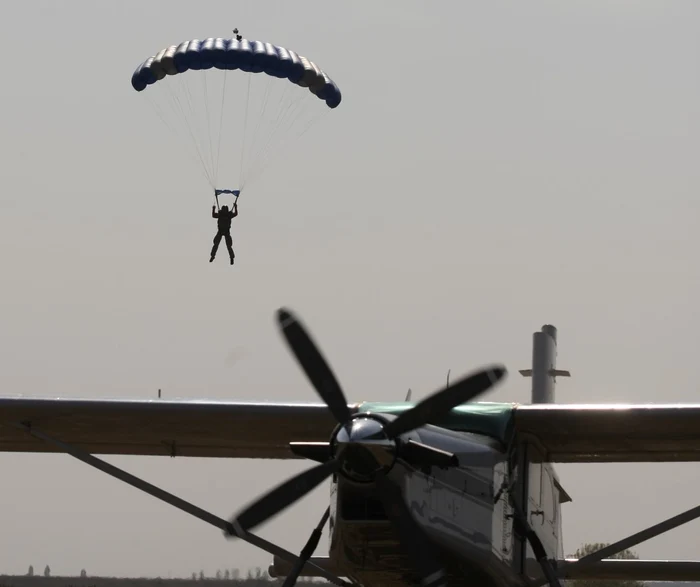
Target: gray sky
<point>493,166</point>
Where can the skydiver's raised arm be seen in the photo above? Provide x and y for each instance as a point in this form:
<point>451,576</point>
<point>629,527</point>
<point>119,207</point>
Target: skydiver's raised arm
<point>235,210</point>
<point>214,213</point>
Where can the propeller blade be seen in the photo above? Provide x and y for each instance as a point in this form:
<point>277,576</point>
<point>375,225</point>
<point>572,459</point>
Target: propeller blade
<point>442,402</point>
<point>414,541</point>
<point>283,496</point>
<point>313,364</point>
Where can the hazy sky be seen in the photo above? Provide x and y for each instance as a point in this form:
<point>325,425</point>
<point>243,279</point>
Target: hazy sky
<point>493,167</point>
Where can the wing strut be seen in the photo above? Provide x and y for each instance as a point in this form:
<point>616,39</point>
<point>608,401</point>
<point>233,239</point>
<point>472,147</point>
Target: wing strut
<point>179,503</point>
<point>625,543</point>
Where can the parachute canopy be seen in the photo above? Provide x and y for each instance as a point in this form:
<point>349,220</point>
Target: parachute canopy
<point>201,67</point>
<point>229,54</point>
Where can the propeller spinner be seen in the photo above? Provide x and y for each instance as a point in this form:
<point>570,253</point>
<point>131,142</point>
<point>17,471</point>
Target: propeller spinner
<point>364,447</point>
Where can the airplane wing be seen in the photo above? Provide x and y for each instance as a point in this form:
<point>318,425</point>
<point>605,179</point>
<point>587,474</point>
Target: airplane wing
<point>569,433</point>
<point>163,427</point>
<point>608,433</point>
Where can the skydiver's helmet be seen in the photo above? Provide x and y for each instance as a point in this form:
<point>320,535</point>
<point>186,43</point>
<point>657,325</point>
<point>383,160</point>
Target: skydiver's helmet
<point>224,208</point>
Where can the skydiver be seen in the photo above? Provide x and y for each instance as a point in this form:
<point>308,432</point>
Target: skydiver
<point>224,217</point>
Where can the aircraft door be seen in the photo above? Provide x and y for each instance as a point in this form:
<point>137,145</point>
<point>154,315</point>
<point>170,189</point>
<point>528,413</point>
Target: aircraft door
<point>535,513</point>
<point>549,500</point>
<point>550,506</point>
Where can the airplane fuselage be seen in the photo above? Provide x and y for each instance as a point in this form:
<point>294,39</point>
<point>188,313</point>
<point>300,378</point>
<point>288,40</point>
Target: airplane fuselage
<point>465,510</point>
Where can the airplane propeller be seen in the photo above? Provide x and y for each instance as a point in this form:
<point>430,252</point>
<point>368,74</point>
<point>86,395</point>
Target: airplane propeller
<point>366,447</point>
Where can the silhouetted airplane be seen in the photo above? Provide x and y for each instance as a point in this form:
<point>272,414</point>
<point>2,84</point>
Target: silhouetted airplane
<point>443,491</point>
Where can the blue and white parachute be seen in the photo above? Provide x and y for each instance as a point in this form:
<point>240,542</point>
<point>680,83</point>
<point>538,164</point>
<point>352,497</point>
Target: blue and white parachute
<point>238,101</point>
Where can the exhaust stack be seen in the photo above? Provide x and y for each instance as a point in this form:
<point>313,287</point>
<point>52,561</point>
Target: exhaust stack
<point>544,365</point>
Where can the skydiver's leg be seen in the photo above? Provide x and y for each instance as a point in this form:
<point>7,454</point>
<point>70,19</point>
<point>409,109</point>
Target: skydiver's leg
<point>229,246</point>
<point>217,240</point>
